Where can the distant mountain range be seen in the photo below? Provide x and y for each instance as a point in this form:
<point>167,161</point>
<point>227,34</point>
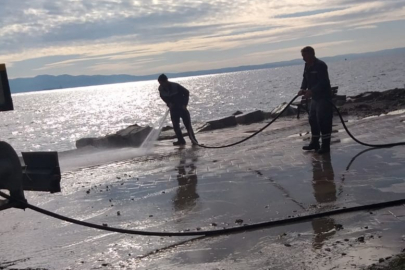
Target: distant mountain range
<point>49,82</point>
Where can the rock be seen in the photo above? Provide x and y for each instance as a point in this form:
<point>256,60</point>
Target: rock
<point>225,122</point>
<point>290,111</point>
<point>131,136</point>
<point>167,135</point>
<point>114,140</point>
<point>170,134</point>
<point>134,135</point>
<point>249,118</point>
<point>338,227</point>
<point>84,142</point>
<point>167,128</point>
<point>205,127</point>
<point>239,221</point>
<point>339,100</point>
<point>100,142</point>
<point>365,96</point>
<point>267,115</point>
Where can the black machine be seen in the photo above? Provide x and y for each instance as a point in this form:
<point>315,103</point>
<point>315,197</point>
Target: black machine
<point>35,171</point>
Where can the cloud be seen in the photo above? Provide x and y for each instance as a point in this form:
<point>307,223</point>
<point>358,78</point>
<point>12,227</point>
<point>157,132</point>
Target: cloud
<point>365,27</point>
<point>296,50</point>
<point>118,31</point>
<point>308,13</point>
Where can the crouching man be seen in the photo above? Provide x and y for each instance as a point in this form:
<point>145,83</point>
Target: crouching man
<point>176,98</point>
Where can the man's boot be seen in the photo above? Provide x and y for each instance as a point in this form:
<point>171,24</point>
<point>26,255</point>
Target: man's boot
<point>313,145</point>
<point>325,148</point>
<point>179,143</point>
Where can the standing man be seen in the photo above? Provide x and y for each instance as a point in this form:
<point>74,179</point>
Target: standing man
<point>176,97</point>
<point>316,85</point>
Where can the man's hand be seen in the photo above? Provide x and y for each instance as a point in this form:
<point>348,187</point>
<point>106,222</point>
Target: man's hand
<point>308,94</point>
<point>301,92</point>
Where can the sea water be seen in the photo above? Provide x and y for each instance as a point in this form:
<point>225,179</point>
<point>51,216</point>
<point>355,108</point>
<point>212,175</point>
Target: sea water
<point>55,120</point>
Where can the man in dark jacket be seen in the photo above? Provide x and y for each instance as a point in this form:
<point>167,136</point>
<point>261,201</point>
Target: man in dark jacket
<point>316,85</point>
<point>176,97</point>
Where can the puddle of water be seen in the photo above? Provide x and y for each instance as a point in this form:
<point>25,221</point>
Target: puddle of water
<point>94,156</point>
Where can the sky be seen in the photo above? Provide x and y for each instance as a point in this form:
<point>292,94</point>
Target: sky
<point>142,37</point>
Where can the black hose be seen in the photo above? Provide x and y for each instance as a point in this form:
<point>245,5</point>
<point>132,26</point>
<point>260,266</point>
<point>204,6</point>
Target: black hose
<point>360,142</point>
<point>359,154</point>
<point>250,136</point>
<point>286,107</point>
<point>272,121</point>
<point>243,228</point>
<point>234,229</point>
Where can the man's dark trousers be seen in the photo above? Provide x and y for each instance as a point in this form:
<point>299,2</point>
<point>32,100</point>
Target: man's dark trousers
<point>175,115</point>
<point>320,119</point>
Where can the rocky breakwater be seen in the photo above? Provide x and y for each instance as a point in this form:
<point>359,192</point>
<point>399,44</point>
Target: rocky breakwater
<point>134,135</point>
<point>239,118</point>
<point>374,103</point>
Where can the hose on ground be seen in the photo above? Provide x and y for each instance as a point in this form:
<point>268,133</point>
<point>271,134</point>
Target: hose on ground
<point>224,231</point>
<point>285,108</point>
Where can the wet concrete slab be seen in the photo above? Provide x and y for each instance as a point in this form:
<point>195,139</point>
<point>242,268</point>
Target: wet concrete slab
<point>194,189</point>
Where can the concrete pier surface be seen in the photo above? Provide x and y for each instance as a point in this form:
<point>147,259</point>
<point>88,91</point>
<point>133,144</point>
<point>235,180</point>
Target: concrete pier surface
<point>265,178</point>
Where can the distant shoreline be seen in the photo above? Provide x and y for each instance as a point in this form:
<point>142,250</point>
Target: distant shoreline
<point>51,82</point>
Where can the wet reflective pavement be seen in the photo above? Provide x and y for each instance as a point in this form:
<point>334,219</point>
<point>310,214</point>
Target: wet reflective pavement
<point>193,189</point>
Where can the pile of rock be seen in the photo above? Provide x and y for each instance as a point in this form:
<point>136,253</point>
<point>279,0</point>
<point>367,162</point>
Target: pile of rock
<point>239,118</point>
<point>374,103</point>
<point>132,136</point>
